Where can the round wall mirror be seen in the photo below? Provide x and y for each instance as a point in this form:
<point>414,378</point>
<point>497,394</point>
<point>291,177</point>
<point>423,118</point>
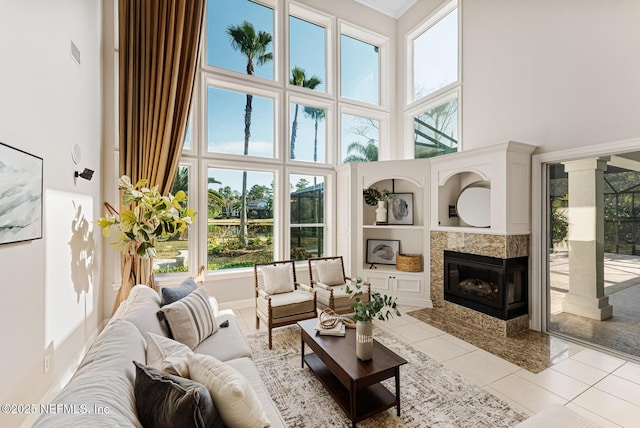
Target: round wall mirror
<point>474,205</point>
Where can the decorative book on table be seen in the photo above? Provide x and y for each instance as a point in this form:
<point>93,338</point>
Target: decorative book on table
<point>337,330</point>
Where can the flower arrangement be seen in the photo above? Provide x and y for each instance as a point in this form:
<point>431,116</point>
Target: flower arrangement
<point>150,218</point>
<point>372,195</point>
<point>375,307</point>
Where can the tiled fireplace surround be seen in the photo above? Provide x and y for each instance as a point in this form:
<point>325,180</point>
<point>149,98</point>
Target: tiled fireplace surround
<point>501,246</point>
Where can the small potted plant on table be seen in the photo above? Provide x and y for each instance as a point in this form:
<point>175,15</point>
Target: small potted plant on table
<point>380,306</point>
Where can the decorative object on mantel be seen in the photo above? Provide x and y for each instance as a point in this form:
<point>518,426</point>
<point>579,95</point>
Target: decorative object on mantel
<point>365,312</point>
<point>373,197</point>
<point>150,218</point>
<point>409,262</point>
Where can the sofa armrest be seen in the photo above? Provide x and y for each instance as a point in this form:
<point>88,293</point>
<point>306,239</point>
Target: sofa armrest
<point>214,305</point>
<point>323,286</point>
<point>305,287</point>
<point>263,294</point>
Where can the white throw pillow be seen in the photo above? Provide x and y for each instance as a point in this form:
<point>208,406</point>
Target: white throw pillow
<point>234,398</point>
<point>191,318</point>
<point>330,272</point>
<point>167,355</point>
<point>278,279</point>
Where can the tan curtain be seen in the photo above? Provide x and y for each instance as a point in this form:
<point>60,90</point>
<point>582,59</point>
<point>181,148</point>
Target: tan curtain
<point>158,54</point>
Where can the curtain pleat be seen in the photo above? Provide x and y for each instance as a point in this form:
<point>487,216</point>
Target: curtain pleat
<point>159,44</point>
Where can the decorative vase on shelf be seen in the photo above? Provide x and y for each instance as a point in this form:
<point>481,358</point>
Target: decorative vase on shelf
<point>364,340</point>
<point>381,213</point>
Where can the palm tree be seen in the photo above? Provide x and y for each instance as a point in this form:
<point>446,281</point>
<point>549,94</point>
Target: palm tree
<point>253,46</point>
<point>317,114</point>
<point>358,152</point>
<point>298,78</point>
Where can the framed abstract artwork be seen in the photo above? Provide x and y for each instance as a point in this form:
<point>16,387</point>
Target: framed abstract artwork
<point>400,209</point>
<point>21,195</point>
<point>382,251</point>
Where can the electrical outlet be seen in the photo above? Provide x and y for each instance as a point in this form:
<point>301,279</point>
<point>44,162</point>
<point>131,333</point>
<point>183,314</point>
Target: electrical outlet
<point>47,364</point>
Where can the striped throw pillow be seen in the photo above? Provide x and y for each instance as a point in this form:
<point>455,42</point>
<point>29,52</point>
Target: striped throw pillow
<point>191,318</point>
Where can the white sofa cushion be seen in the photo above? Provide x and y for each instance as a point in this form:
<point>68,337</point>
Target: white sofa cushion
<point>232,394</point>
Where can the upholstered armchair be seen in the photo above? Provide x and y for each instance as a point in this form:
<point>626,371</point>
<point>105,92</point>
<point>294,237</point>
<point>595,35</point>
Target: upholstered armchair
<point>329,280</point>
<point>280,300</point>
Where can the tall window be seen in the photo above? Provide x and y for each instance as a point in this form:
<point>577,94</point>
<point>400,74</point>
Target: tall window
<point>434,89</point>
<point>250,25</point>
<point>307,50</point>
<point>235,128</point>
<point>260,146</point>
<point>360,136</point>
<point>172,255</point>
<point>239,233</point>
<point>307,216</point>
<point>360,70</point>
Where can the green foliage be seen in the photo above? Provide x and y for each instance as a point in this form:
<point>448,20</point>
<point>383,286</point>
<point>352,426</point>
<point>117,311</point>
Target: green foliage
<point>560,224</point>
<point>372,195</point>
<point>148,218</point>
<point>172,269</point>
<point>381,307</point>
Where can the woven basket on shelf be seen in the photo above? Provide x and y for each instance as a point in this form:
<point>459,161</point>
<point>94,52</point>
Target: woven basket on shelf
<point>409,262</point>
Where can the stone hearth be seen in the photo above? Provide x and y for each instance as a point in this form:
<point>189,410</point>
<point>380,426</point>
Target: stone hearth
<point>501,246</point>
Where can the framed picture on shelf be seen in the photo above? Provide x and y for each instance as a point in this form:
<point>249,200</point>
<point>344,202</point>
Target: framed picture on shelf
<point>400,208</point>
<point>382,251</point>
<point>21,183</point>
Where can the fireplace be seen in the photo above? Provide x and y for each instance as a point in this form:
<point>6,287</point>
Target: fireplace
<point>494,286</point>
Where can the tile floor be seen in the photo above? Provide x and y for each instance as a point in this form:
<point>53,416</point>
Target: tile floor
<point>601,387</point>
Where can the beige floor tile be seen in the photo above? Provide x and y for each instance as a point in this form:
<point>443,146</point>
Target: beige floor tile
<point>439,349</point>
<point>629,371</point>
<point>592,416</point>
<point>609,407</point>
<point>598,360</point>
<point>412,332</point>
<point>527,394</point>
<point>461,343</point>
<point>509,401</point>
<point>579,371</point>
<point>476,368</point>
<point>556,382</point>
<point>495,360</point>
<point>621,388</point>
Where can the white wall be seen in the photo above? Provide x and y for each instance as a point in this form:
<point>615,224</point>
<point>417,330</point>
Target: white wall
<point>50,287</point>
<point>556,74</point>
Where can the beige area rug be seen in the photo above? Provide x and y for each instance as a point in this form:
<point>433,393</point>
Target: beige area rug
<point>431,395</point>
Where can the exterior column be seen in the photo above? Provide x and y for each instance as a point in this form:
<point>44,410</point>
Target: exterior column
<point>586,240</point>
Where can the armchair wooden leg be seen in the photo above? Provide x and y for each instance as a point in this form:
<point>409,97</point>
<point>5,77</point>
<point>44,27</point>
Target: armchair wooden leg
<point>257,323</point>
<point>270,344</point>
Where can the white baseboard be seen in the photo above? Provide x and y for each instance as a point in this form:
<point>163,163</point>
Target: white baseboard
<point>64,378</point>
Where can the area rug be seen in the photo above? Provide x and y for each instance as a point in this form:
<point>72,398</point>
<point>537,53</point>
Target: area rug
<point>431,395</point>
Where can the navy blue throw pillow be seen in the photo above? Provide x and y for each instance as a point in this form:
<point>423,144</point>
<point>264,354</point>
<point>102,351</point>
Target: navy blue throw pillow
<point>173,294</point>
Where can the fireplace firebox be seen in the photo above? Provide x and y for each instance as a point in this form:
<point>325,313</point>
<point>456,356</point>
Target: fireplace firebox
<point>494,286</point>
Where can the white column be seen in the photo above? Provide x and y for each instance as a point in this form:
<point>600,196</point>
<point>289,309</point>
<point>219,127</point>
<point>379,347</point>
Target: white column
<point>586,240</point>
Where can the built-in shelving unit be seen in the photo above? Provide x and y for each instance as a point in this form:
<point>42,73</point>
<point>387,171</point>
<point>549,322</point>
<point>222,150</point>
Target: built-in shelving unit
<point>357,224</point>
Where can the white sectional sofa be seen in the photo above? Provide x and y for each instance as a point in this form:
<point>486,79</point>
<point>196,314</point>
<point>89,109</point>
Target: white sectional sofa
<point>101,392</point>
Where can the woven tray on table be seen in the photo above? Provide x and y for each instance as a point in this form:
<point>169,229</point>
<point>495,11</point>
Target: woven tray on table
<point>409,262</point>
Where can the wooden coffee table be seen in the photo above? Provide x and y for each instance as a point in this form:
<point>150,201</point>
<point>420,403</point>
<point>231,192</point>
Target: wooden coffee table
<point>354,384</point>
